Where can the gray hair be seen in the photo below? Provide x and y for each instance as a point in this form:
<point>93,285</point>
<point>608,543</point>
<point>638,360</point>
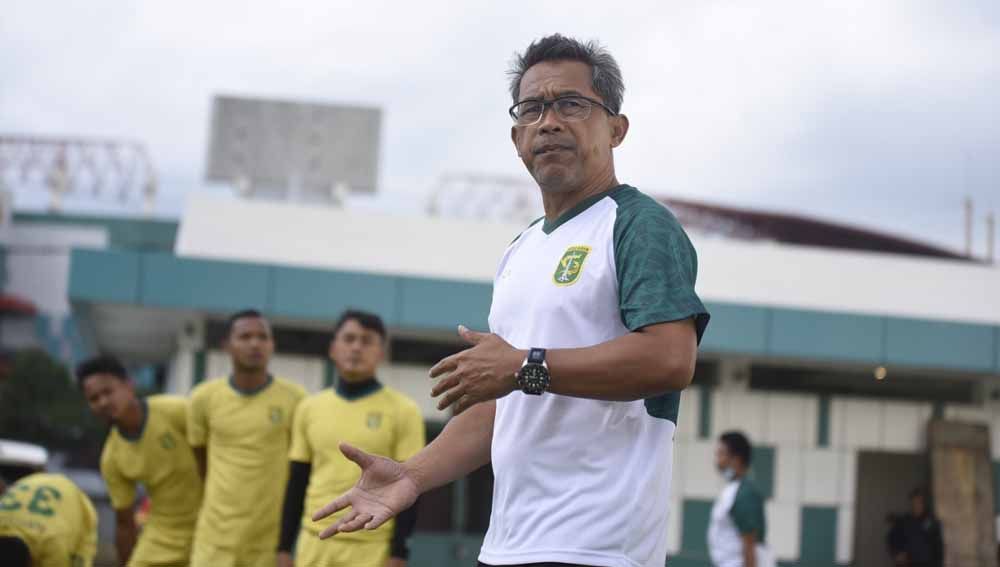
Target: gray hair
<point>606,78</point>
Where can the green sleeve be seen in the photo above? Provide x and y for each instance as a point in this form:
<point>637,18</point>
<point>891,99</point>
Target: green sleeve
<point>655,263</point>
<point>748,511</point>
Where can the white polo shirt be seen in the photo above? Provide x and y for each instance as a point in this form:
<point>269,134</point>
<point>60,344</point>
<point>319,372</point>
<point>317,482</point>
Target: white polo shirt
<point>576,480</point>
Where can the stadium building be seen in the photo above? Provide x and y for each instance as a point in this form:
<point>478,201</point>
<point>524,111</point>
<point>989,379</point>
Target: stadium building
<point>861,365</point>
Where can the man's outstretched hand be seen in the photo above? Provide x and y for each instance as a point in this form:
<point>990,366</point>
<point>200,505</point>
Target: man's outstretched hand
<point>385,489</point>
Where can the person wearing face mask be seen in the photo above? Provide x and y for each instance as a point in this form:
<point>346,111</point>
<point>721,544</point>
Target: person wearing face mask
<point>737,529</point>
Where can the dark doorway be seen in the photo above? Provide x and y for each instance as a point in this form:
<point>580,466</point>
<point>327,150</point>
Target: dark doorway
<point>884,482</point>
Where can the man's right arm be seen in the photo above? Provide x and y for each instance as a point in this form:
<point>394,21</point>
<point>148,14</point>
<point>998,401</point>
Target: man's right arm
<point>462,447</point>
<point>388,487</point>
<point>125,534</point>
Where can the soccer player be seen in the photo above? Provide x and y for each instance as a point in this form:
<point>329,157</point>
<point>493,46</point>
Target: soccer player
<point>240,428</point>
<point>361,411</point>
<point>573,395</point>
<point>737,529</point>
<point>46,521</point>
<point>147,445</point>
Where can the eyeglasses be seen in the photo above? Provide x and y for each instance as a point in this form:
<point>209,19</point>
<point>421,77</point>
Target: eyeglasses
<point>571,108</point>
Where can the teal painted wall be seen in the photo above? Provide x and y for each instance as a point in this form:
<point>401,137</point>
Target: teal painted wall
<point>164,280</point>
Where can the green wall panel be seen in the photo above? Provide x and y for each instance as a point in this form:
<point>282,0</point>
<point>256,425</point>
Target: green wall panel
<point>169,281</point>
<point>444,550</point>
<point>104,276</point>
<point>938,343</point>
<point>833,336</point>
<point>695,515</point>
<point>762,470</point>
<point>319,294</point>
<point>818,539</point>
<point>440,304</point>
<point>736,328</point>
<point>823,427</point>
<point>166,281</point>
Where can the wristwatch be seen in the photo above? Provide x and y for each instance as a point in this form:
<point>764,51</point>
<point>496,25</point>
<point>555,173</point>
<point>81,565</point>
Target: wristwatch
<point>533,378</point>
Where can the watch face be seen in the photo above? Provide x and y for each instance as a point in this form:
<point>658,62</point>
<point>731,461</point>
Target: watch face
<point>534,378</point>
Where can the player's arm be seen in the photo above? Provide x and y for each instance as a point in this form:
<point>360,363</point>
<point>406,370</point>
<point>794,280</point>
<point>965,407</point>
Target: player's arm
<point>291,514</point>
<point>410,438</point>
<point>197,429</point>
<point>653,360</point>
<point>388,487</point>
<point>749,549</point>
<point>126,534</point>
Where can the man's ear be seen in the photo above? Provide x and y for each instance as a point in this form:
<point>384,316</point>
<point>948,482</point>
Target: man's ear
<point>513,138</point>
<point>619,129</point>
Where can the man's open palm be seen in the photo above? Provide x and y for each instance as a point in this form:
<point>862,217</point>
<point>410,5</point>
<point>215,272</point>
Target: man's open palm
<point>383,491</point>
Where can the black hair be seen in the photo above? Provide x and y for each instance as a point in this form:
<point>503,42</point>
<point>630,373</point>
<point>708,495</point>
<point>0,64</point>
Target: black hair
<point>15,552</point>
<point>244,314</point>
<point>102,364</point>
<point>738,445</point>
<point>919,491</point>
<point>606,76</point>
<point>367,320</point>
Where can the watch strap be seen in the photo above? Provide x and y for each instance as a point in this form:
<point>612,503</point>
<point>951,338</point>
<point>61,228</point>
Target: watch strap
<point>536,356</point>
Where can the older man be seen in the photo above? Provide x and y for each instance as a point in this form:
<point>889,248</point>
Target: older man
<point>594,324</point>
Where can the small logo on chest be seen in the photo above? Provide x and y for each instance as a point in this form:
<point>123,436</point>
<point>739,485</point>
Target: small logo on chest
<point>167,441</point>
<point>570,265</point>
<point>277,414</point>
<point>374,420</point>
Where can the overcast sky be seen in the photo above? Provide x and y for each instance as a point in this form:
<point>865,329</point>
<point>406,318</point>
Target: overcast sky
<point>877,113</point>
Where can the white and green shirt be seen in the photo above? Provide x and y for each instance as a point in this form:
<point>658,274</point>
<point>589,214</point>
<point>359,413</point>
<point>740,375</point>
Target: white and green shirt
<point>738,510</point>
<point>576,480</point>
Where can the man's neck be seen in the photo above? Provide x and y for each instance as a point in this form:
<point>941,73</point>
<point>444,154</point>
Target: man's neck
<point>558,202</point>
<point>130,423</point>
<point>250,379</point>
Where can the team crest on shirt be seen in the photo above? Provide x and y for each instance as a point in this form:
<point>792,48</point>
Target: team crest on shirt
<point>277,414</point>
<point>374,420</point>
<point>167,441</point>
<point>570,265</point>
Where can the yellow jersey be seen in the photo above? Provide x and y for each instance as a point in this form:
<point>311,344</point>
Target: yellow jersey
<point>247,434</point>
<point>161,459</point>
<point>53,517</point>
<point>381,421</point>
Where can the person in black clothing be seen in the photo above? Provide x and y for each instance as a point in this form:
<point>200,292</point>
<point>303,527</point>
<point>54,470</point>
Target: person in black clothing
<point>915,538</point>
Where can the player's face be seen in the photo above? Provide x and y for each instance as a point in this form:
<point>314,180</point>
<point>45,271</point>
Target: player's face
<point>723,459</point>
<point>108,396</point>
<point>250,344</point>
<point>356,351</point>
<point>565,156</point>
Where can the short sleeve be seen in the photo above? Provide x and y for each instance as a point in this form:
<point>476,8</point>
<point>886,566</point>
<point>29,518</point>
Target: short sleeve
<point>656,265</point>
<point>748,511</point>
<point>410,432</point>
<point>121,490</point>
<point>300,449</point>
<point>197,419</point>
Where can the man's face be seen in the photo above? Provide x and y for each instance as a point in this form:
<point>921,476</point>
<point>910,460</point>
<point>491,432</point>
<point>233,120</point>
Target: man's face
<point>565,156</point>
<point>250,344</point>
<point>108,396</point>
<point>356,351</point>
<point>723,459</point>
<point>917,505</point>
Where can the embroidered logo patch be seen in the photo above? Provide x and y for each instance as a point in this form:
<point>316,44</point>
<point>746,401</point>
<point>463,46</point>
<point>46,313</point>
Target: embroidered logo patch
<point>374,420</point>
<point>277,414</point>
<point>570,265</point>
<point>167,441</point>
